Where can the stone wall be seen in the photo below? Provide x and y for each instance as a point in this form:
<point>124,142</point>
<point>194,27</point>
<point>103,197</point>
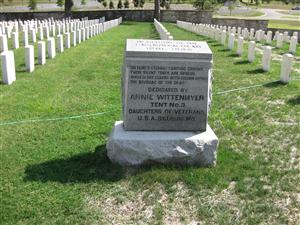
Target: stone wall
<point>129,15</point>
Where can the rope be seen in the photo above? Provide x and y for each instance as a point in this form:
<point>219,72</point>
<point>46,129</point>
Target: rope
<point>245,88</point>
<point>103,113</point>
<point>55,119</point>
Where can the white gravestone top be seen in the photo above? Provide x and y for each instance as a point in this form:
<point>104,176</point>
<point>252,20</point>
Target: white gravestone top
<point>165,48</point>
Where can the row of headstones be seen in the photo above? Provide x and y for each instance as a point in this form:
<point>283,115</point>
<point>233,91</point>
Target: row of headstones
<point>162,31</point>
<point>82,34</point>
<point>221,36</point>
<point>42,28</point>
<point>7,27</point>
<point>258,35</point>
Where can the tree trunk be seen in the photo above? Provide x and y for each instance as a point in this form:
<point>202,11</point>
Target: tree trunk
<point>157,10</point>
<point>68,6</point>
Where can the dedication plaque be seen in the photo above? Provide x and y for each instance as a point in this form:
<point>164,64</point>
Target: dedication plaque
<point>166,85</point>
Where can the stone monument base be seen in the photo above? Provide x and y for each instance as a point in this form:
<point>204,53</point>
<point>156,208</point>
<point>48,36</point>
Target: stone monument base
<point>135,148</point>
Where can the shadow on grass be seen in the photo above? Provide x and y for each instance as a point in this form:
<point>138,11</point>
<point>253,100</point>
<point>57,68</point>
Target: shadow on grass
<point>128,23</point>
<point>256,71</point>
<point>233,55</point>
<point>294,101</point>
<point>224,50</point>
<point>154,34</point>
<point>274,84</point>
<point>84,168</point>
<point>95,166</point>
<point>216,45</point>
<point>21,68</point>
<point>241,62</point>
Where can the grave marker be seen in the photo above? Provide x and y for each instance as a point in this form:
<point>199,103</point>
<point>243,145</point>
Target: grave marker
<point>251,51</point>
<point>231,41</point>
<point>240,47</point>
<point>166,85</point>
<point>51,48</point>
<point>3,43</point>
<point>68,41</point>
<point>266,60</point>
<point>60,43</point>
<point>41,52</point>
<point>29,58</point>
<point>15,40</point>
<point>8,67</point>
<point>286,68</point>
<point>166,89</point>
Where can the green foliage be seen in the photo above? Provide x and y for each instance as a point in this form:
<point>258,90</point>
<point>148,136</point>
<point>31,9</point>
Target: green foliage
<point>168,5</point>
<point>141,3</point>
<point>32,4</point>
<point>111,5</point>
<point>60,3</point>
<point>83,2</point>
<point>126,4</point>
<point>165,4</point>
<point>205,4</point>
<point>136,3</point>
<point>120,4</point>
<point>104,3</point>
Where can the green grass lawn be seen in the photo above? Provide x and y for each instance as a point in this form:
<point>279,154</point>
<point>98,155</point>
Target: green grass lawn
<point>23,2</point>
<point>253,13</point>
<point>57,172</point>
<point>284,24</point>
<point>271,4</point>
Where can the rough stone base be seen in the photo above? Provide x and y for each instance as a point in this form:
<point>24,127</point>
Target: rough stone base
<point>135,148</point>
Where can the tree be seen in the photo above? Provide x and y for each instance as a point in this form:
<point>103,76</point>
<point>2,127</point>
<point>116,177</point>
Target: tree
<point>157,10</point>
<point>32,4</point>
<point>231,7</point>
<point>104,3</point>
<point>120,4</point>
<point>60,3</point>
<point>204,4</point>
<point>68,6</point>
<point>142,2</point>
<point>126,4</point>
<point>136,3</point>
<point>83,2</point>
<point>165,4</point>
<point>162,3</point>
<point>111,4</point>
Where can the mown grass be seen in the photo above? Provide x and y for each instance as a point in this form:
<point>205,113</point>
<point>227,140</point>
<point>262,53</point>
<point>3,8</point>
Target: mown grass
<point>271,5</point>
<point>22,2</point>
<point>284,24</point>
<point>253,13</point>
<point>58,172</point>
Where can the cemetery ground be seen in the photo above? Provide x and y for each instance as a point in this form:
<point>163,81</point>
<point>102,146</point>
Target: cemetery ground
<point>284,24</point>
<point>57,171</point>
